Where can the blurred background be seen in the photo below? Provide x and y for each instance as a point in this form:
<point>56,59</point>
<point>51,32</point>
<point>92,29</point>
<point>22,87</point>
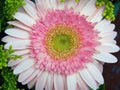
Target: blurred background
<point>111,72</point>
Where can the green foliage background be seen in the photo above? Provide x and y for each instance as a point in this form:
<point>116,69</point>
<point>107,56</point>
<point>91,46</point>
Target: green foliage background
<point>7,9</point>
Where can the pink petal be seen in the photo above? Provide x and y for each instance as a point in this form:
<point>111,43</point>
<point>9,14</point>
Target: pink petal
<point>41,82</point>
<point>9,39</point>
<point>12,63</point>
<point>50,82</point>
<point>99,65</point>
<point>53,4</point>
<point>102,23</point>
<point>95,73</point>
<point>31,10</point>
<point>81,5</point>
<point>26,64</point>
<point>71,82</point>
<point>86,76</point>
<point>25,19</point>
<point>31,84</point>
<point>81,83</point>
<point>106,47</point>
<point>88,8</point>
<point>70,4</point>
<point>22,52</point>
<point>16,32</point>
<point>105,57</point>
<point>19,25</point>
<point>58,82</point>
<point>31,78</point>
<point>20,44</point>
<point>26,74</point>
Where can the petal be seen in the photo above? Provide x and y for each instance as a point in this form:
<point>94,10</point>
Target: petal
<point>42,4</point>
<point>31,78</point>
<point>26,74</point>
<point>88,8</point>
<point>65,83</point>
<point>12,63</point>
<point>48,4</point>
<point>41,7</point>
<point>71,82</point>
<point>31,84</point>
<point>105,57</point>
<point>70,4</point>
<point>25,19</point>
<point>81,5</point>
<point>22,52</point>
<point>95,73</point>
<point>86,76</point>
<point>99,65</point>
<point>106,40</point>
<point>106,47</point>
<point>81,83</point>
<point>19,25</point>
<point>58,82</point>
<point>24,66</point>
<point>97,15</point>
<point>16,32</point>
<point>31,10</point>
<point>41,82</point>
<point>106,28</point>
<point>31,3</point>
<point>112,35</point>
<point>61,5</point>
<point>53,4</point>
<point>21,44</point>
<point>8,39</point>
<point>49,85</point>
<point>22,10</point>
<point>102,23</point>
<point>108,35</point>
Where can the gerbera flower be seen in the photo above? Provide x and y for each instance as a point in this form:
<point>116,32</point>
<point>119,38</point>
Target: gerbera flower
<point>63,45</point>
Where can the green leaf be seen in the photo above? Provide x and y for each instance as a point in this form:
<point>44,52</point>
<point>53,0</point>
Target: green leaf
<point>77,0</point>
<point>9,80</point>
<point>7,9</point>
<point>6,55</point>
<point>62,0</point>
<point>65,0</point>
<point>11,7</point>
<point>102,87</point>
<point>109,9</point>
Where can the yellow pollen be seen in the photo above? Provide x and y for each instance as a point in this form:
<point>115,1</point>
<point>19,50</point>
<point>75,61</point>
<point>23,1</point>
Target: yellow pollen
<point>62,41</point>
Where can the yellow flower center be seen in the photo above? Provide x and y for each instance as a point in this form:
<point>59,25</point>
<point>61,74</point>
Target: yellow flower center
<point>62,41</point>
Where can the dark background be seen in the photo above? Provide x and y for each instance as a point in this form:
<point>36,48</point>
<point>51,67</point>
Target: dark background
<point>111,72</point>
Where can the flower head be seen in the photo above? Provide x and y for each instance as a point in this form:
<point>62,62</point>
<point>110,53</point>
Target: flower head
<point>63,45</point>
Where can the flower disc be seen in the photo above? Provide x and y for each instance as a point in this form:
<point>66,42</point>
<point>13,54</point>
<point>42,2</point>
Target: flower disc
<point>62,42</point>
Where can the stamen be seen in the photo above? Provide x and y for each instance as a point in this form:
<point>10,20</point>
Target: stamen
<point>62,41</point>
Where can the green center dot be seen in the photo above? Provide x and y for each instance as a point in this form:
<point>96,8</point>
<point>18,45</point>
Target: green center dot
<point>62,42</point>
